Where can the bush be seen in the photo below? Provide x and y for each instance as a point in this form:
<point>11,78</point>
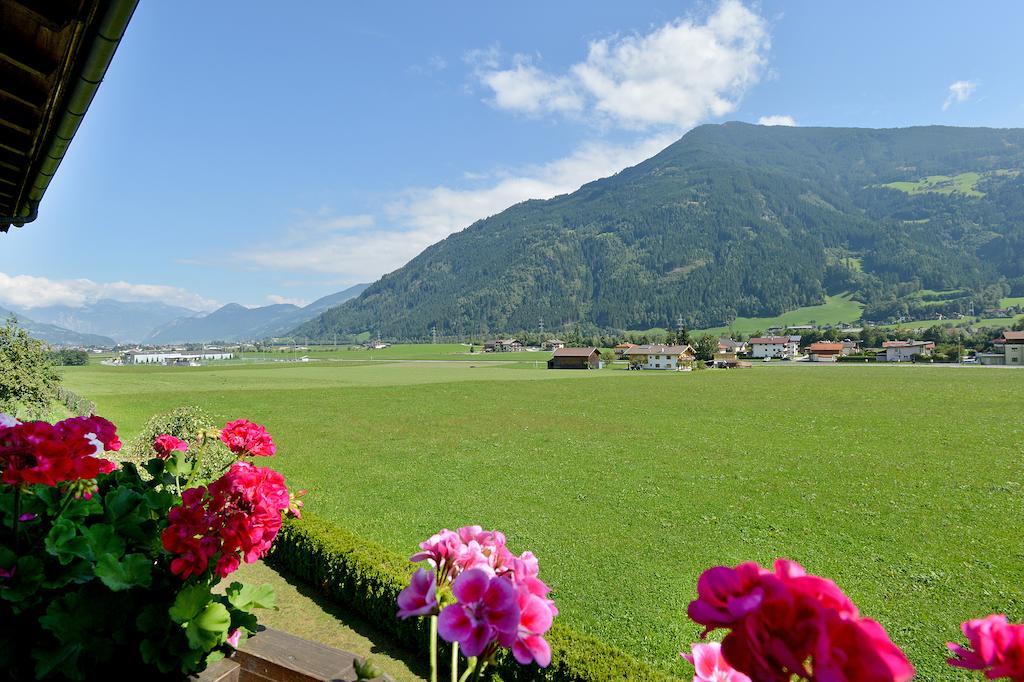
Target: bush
<point>69,358</point>
<point>188,423</point>
<point>366,578</point>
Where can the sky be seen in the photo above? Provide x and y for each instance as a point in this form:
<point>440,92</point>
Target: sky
<point>266,152</point>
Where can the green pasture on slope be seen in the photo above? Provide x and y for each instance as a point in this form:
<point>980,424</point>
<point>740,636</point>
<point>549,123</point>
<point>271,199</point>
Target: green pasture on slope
<point>835,309</point>
<point>904,484</point>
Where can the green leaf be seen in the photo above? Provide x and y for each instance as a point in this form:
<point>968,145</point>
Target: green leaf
<point>209,628</point>
<point>248,597</point>
<point>120,502</point>
<point>25,582</point>
<point>64,542</point>
<point>103,542</point>
<point>134,570</point>
<point>189,603</point>
<point>64,659</point>
<point>178,464</point>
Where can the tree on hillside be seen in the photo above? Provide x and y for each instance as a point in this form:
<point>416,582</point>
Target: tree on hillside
<point>706,347</point>
<point>28,378</point>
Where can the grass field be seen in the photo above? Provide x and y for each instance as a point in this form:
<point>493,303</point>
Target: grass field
<point>964,183</point>
<point>836,309</point>
<point>902,483</point>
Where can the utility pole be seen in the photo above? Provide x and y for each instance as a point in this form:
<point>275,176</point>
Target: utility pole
<point>433,334</point>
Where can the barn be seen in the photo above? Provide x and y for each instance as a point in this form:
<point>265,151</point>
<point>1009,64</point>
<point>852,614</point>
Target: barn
<point>575,358</point>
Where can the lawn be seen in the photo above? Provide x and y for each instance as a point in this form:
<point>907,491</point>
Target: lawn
<point>836,309</point>
<point>902,483</point>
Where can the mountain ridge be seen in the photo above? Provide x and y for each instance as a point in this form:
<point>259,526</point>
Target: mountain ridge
<point>731,220</point>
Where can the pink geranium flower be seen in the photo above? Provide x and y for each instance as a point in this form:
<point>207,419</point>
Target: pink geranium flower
<point>711,666</point>
<point>486,613</point>
<point>234,638</point>
<point>995,647</point>
<point>246,438</point>
<point>166,444</point>
<point>785,623</point>
<point>420,597</point>
<point>536,612</point>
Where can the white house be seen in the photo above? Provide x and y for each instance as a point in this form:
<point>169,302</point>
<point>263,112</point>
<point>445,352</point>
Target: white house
<point>774,346</point>
<point>660,357</point>
<point>904,351</point>
<point>159,357</point>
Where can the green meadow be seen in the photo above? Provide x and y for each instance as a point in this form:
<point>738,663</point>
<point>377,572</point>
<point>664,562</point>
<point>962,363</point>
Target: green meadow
<point>834,310</point>
<point>904,484</point>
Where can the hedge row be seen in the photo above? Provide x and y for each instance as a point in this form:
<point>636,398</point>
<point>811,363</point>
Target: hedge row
<point>366,578</point>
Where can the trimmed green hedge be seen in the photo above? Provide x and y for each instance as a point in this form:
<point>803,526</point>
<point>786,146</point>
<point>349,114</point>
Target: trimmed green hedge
<point>366,578</point>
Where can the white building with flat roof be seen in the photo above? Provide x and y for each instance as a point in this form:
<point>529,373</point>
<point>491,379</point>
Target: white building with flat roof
<point>159,357</point>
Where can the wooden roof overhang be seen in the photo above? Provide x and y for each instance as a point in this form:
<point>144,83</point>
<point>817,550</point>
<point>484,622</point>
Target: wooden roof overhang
<point>53,55</point>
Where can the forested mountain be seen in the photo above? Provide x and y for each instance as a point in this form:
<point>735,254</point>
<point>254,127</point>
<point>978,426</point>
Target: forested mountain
<point>123,321</point>
<point>731,220</point>
<point>58,336</point>
<point>234,322</point>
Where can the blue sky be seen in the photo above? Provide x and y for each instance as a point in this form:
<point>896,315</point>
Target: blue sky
<point>260,152</point>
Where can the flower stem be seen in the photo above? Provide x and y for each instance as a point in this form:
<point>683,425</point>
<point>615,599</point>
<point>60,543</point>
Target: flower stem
<point>195,466</point>
<point>455,662</point>
<point>479,670</point>
<point>433,649</point>
<point>471,662</point>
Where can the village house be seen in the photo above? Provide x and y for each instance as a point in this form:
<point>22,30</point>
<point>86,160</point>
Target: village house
<point>774,346</point>
<point>731,346</point>
<point>826,351</point>
<point>905,351</point>
<point>661,357</point>
<point>622,348</point>
<point>575,358</point>
<point>1007,350</point>
<point>502,346</point>
<point>728,360</point>
<point>553,344</point>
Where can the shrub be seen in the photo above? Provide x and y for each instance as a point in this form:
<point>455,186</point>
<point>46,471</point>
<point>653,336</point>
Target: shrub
<point>188,423</point>
<point>366,578</point>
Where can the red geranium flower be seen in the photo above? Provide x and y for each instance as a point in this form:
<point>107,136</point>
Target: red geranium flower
<point>246,438</point>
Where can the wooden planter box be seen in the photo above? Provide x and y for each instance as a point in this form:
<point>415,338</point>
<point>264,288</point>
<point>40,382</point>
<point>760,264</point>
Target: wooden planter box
<point>275,656</point>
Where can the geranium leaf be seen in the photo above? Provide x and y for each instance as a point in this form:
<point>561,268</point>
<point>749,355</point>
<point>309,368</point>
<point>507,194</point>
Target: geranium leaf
<point>133,570</point>
<point>189,603</point>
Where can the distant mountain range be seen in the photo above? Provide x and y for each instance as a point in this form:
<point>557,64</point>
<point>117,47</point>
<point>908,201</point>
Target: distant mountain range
<point>55,335</point>
<point>125,322</point>
<point>234,322</point>
<point>733,220</point>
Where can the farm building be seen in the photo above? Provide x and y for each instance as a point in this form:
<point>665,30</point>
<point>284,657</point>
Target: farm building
<point>171,358</point>
<point>905,351</point>
<point>774,346</point>
<point>825,351</point>
<point>1007,350</point>
<point>575,358</point>
<point>553,344</point>
<point>502,346</point>
<point>661,357</point>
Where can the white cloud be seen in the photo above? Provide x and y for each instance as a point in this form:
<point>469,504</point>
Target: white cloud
<point>277,299</point>
<point>27,291</point>
<point>960,91</point>
<point>675,75</point>
<point>423,216</point>
<point>776,120</point>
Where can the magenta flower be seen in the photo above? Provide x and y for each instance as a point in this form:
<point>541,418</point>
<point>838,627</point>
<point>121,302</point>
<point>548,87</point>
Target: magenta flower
<point>234,638</point>
<point>535,615</point>
<point>243,437</point>
<point>441,550</point>
<point>487,612</point>
<point>166,444</point>
<point>420,597</point>
<point>725,595</point>
<point>995,647</point>
<point>710,665</point>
